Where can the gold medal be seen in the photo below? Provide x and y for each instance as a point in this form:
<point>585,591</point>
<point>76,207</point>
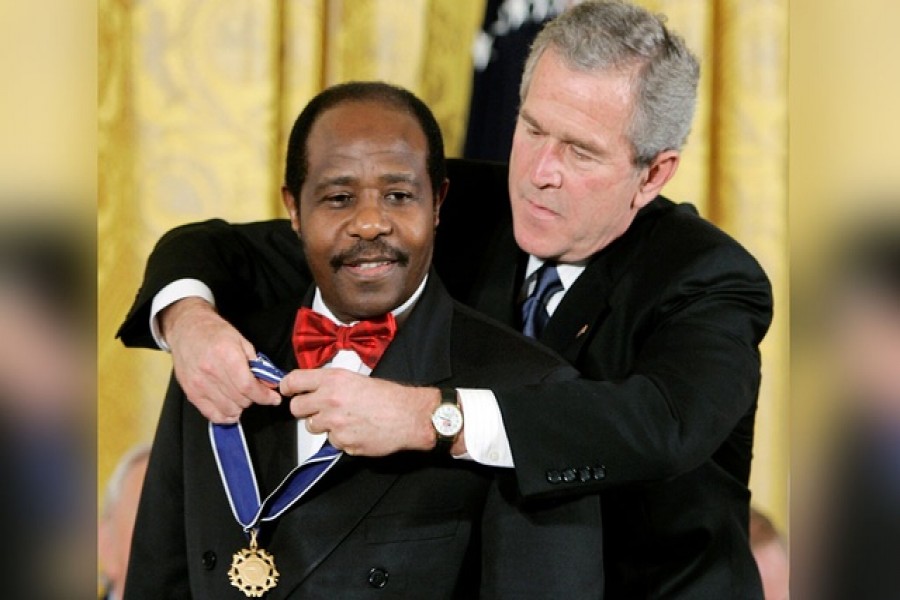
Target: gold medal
<point>253,571</point>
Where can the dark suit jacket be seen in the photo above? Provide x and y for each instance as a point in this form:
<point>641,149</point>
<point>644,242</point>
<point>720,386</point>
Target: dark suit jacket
<point>664,325</point>
<point>421,521</point>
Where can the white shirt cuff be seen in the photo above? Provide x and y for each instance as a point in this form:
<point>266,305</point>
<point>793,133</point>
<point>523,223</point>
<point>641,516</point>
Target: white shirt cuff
<point>175,291</point>
<point>486,440</point>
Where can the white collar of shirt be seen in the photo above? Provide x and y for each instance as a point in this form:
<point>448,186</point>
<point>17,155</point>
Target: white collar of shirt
<point>319,306</point>
<point>308,443</point>
<point>568,273</point>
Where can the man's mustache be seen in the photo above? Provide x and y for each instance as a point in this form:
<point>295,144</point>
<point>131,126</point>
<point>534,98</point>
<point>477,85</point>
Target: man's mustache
<point>367,251</point>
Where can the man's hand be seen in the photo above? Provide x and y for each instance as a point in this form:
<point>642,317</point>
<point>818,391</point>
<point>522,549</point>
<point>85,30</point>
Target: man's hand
<point>210,358</point>
<point>363,416</point>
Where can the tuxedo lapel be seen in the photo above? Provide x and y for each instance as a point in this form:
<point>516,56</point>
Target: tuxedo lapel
<point>582,309</point>
<point>420,352</point>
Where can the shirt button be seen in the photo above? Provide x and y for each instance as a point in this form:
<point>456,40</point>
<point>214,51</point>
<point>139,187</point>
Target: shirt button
<point>494,456</point>
<point>209,560</point>
<point>378,578</point>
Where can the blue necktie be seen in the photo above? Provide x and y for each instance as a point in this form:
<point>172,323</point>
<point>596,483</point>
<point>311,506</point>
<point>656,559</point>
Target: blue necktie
<point>534,310</point>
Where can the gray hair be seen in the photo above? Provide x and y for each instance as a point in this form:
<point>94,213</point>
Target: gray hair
<point>116,482</point>
<point>608,35</point>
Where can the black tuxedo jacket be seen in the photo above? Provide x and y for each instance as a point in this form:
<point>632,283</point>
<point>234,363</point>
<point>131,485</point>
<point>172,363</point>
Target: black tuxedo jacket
<point>405,526</point>
<point>664,326</point>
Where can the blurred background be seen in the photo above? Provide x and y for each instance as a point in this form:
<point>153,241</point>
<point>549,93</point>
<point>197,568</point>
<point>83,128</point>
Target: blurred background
<point>844,181</point>
<point>154,113</point>
<point>48,171</point>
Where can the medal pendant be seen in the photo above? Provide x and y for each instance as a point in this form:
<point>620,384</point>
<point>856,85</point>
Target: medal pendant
<point>253,571</point>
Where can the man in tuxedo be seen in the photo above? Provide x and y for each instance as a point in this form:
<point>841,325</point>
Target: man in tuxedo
<point>661,312</point>
<point>364,183</point>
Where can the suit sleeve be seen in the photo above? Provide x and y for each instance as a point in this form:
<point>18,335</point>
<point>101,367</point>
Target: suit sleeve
<point>547,548</point>
<point>661,392</point>
<point>250,264</point>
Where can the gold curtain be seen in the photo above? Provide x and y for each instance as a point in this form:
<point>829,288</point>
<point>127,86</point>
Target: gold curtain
<point>196,99</point>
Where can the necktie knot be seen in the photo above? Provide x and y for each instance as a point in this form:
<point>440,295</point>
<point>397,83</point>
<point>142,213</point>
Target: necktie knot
<point>316,338</point>
<point>534,311</point>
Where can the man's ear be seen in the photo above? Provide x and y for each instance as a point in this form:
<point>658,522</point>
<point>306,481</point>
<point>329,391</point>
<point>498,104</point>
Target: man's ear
<point>292,206</point>
<point>107,552</point>
<point>439,198</point>
<point>655,176</point>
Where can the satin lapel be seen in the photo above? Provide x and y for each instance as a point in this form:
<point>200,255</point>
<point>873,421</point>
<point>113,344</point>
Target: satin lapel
<point>310,531</point>
<point>420,353</point>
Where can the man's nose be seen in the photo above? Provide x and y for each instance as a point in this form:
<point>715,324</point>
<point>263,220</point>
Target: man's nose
<point>370,219</point>
<point>546,165</point>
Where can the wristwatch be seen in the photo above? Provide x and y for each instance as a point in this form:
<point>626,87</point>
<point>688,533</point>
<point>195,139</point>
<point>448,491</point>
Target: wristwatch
<point>447,420</point>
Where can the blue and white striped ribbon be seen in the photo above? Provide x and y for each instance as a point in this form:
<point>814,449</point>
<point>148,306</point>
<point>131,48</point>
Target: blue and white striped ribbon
<point>236,469</point>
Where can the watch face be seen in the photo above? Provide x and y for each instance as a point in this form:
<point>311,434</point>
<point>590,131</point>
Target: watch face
<point>447,420</point>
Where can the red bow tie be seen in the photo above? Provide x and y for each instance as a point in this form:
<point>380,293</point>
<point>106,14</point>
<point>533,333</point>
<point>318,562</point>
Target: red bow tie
<point>317,339</point>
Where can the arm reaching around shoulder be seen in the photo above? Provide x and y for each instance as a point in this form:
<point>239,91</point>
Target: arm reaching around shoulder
<point>210,359</point>
<point>245,266</point>
<point>365,416</point>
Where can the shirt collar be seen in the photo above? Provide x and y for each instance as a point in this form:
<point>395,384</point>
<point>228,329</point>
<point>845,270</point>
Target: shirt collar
<point>568,272</point>
<point>399,313</point>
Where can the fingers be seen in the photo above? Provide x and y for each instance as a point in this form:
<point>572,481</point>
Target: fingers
<point>223,401</point>
<point>303,407</point>
<point>301,381</point>
<point>249,350</point>
<point>361,415</point>
<point>311,427</point>
<point>225,395</point>
<point>247,389</point>
<point>213,414</point>
<point>315,428</point>
<point>211,364</point>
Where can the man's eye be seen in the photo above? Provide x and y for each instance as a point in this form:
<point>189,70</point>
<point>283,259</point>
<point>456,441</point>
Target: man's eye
<point>581,154</point>
<point>399,197</point>
<point>338,199</point>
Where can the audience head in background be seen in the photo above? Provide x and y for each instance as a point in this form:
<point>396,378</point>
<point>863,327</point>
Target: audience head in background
<point>770,552</point>
<point>364,181</point>
<point>123,491</point>
<point>607,100</point>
